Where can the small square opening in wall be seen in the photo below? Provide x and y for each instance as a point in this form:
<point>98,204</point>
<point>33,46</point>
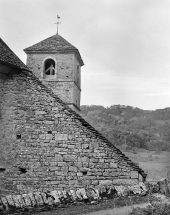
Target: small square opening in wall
<point>84,172</point>
<point>18,136</point>
<point>22,170</point>
<point>49,132</point>
<point>2,169</point>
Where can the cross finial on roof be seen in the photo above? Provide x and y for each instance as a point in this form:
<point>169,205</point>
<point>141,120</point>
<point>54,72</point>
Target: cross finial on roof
<point>57,23</point>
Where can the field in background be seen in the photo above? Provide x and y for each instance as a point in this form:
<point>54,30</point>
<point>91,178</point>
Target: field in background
<point>155,164</point>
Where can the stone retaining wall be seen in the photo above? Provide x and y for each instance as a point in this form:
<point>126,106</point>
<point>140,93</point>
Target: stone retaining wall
<point>57,198</point>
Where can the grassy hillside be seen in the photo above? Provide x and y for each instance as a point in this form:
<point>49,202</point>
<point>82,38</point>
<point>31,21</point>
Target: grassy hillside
<point>131,128</point>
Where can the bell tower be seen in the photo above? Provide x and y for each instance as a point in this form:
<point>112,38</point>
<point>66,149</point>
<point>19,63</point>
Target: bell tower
<point>58,64</point>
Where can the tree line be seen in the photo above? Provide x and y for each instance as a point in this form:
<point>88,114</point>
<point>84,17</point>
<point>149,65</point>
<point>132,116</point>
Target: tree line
<point>131,127</point>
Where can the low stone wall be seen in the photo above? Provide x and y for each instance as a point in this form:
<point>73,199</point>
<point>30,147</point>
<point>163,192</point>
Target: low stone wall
<point>56,198</point>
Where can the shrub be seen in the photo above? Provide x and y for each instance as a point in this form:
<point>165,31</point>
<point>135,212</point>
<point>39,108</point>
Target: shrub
<point>156,209</point>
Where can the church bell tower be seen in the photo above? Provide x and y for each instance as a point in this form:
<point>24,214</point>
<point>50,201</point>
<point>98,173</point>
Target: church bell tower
<point>58,64</point>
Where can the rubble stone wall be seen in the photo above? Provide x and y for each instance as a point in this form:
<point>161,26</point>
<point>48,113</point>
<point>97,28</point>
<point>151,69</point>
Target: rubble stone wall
<point>44,146</point>
<point>40,201</point>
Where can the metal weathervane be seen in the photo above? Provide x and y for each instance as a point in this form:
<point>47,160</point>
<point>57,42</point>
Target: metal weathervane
<point>57,23</point>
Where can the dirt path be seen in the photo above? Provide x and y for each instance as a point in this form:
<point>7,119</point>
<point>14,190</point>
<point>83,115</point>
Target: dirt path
<point>117,211</point>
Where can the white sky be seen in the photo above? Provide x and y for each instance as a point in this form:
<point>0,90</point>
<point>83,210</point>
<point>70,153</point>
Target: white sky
<point>125,44</point>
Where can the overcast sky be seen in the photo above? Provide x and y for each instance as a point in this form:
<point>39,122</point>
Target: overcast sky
<point>125,44</point>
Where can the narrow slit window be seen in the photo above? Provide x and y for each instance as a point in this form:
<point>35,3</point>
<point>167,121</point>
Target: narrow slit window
<point>78,75</point>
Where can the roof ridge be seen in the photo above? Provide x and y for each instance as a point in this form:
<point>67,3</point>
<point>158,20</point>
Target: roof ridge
<point>88,126</point>
<point>65,40</point>
<point>38,42</point>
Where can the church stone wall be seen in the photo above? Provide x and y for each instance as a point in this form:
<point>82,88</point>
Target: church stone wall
<point>46,147</point>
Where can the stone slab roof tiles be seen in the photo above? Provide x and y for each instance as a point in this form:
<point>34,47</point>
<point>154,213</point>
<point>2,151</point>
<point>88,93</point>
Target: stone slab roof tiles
<point>55,43</point>
<point>8,57</point>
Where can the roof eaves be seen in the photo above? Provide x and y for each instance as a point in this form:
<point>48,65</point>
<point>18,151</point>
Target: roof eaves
<point>29,51</point>
<point>15,66</point>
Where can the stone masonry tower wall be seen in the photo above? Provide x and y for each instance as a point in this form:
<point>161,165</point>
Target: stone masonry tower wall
<point>58,65</point>
<point>66,82</point>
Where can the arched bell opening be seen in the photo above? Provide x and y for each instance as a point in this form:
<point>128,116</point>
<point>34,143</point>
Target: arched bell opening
<point>49,69</point>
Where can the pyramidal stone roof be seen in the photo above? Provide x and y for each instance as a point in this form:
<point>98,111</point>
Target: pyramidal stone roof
<point>56,43</point>
<point>8,57</point>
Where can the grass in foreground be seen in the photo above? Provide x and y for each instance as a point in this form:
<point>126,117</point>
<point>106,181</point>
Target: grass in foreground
<point>82,208</point>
